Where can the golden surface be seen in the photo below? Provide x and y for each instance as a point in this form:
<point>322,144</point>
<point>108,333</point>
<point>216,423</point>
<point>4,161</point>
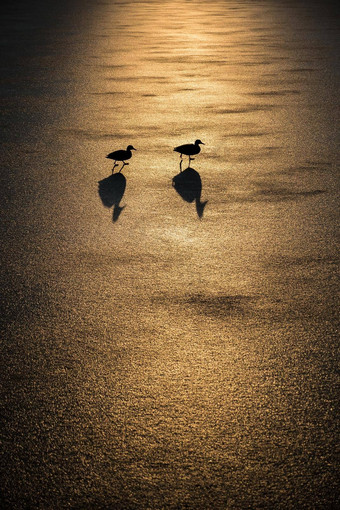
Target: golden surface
<point>179,356</point>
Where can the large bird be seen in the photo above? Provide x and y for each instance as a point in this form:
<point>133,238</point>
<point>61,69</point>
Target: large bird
<point>121,155</point>
<point>189,149</point>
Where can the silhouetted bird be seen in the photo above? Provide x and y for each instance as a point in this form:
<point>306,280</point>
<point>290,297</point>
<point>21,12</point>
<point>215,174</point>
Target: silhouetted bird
<point>121,155</point>
<point>189,149</point>
<point>188,185</point>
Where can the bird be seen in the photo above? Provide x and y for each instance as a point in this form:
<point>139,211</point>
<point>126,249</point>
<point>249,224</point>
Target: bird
<point>121,155</point>
<point>189,149</point>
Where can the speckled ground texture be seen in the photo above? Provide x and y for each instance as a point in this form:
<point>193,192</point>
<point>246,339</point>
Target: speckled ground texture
<point>162,353</point>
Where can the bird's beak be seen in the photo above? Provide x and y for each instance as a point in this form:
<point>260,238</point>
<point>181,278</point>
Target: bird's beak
<point>134,149</point>
<point>202,143</point>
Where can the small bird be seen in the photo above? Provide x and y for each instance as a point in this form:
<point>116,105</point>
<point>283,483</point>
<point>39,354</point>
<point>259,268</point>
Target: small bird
<point>121,155</point>
<point>189,149</point>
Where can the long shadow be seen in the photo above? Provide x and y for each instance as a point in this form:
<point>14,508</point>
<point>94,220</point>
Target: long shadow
<point>111,191</point>
<point>188,185</point>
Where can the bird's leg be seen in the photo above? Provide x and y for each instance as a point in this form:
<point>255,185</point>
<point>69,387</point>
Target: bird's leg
<point>123,166</point>
<point>114,166</point>
<point>180,164</point>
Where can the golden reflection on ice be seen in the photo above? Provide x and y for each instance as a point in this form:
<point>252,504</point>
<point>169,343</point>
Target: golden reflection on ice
<point>167,65</point>
<point>166,351</point>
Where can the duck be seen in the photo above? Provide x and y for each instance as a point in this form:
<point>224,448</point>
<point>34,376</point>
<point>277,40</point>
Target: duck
<point>121,155</point>
<point>189,149</point>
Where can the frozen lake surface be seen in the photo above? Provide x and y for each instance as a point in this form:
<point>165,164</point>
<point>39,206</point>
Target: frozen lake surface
<point>170,344</point>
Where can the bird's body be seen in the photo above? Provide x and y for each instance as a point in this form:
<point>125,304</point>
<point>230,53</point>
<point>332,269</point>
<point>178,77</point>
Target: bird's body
<point>189,149</point>
<point>121,155</point>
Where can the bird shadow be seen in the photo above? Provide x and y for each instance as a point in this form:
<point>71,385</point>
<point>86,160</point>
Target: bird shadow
<point>111,191</point>
<point>188,185</point>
